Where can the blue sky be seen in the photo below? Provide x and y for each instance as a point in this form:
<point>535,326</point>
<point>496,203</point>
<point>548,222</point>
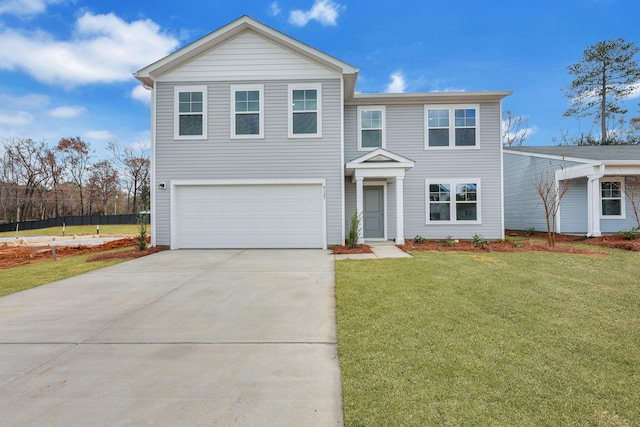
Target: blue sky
<point>65,65</point>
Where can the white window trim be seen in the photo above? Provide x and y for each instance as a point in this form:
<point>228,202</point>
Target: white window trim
<point>300,86</point>
<point>452,186</point>
<point>241,88</point>
<point>452,128</point>
<point>384,126</point>
<point>176,112</point>
<point>623,208</point>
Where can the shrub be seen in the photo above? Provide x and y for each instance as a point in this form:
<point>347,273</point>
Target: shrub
<point>447,241</point>
<point>419,239</point>
<point>529,231</point>
<point>630,234</point>
<point>141,240</point>
<point>479,241</point>
<point>354,230</point>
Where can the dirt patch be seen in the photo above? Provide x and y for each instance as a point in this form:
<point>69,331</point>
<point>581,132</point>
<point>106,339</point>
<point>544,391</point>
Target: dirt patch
<point>345,249</point>
<point>15,256</point>
<point>135,253</point>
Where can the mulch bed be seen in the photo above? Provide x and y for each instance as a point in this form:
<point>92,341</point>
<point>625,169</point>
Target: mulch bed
<point>345,249</point>
<point>529,244</point>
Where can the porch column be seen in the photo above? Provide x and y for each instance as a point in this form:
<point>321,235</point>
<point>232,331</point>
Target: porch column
<point>593,206</point>
<point>360,208</point>
<point>399,211</point>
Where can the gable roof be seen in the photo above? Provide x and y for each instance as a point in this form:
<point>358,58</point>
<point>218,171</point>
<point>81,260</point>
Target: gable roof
<point>379,158</point>
<point>245,23</point>
<point>584,152</point>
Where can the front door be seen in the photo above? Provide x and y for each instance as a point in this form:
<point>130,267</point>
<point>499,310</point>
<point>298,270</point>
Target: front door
<point>373,215</point>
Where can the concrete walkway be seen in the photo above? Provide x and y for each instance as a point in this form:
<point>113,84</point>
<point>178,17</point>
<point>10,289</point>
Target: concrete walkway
<point>380,250</point>
<point>179,338</point>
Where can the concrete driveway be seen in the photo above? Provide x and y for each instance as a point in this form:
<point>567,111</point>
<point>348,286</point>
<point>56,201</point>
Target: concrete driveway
<point>180,338</point>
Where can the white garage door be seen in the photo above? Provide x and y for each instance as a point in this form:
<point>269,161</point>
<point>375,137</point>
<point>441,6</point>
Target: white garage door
<point>248,216</point>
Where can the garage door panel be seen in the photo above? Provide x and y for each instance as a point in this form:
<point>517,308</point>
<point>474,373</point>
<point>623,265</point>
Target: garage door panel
<point>249,216</point>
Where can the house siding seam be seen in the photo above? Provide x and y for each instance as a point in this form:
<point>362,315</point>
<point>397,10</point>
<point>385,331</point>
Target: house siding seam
<point>275,156</point>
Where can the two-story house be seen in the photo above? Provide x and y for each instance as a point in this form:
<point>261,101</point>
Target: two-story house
<point>261,141</point>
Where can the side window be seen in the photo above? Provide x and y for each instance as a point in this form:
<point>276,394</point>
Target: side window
<point>612,197</point>
<point>247,111</point>
<point>371,128</point>
<point>453,201</point>
<point>190,118</point>
<point>451,126</point>
<point>305,110</point>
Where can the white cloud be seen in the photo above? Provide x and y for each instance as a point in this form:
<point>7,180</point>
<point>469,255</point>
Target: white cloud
<point>139,93</point>
<point>324,11</point>
<point>15,118</point>
<point>397,84</point>
<point>25,7</point>
<point>274,9</point>
<point>104,49</point>
<point>103,135</point>
<point>31,100</point>
<point>66,112</point>
<point>635,94</point>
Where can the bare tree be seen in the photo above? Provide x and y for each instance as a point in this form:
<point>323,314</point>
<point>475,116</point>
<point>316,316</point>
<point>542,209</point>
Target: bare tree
<point>632,193</point>
<point>75,159</point>
<point>25,164</point>
<point>136,169</point>
<point>514,129</point>
<point>551,192</point>
<point>103,184</point>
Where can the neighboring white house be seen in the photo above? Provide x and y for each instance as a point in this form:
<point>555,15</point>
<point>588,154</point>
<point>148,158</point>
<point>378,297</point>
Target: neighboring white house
<point>595,202</point>
<point>259,140</point>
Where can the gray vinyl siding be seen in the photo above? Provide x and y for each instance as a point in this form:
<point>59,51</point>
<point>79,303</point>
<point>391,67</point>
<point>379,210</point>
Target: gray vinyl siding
<point>614,225</point>
<point>523,207</point>
<point>274,157</point>
<point>405,136</point>
<point>574,213</point>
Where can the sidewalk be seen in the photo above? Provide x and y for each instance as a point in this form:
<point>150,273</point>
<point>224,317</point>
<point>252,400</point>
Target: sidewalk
<point>380,250</point>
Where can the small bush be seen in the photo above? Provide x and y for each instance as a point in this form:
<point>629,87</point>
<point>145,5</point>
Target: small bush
<point>630,234</point>
<point>354,230</point>
<point>516,244</point>
<point>141,239</point>
<point>419,239</point>
<point>529,231</point>
<point>479,241</point>
<point>447,241</point>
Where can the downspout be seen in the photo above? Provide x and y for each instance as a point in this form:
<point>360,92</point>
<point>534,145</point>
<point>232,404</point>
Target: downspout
<point>592,202</point>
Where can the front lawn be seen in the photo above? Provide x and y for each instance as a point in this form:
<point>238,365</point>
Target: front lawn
<point>526,339</point>
<point>32,275</point>
<point>78,230</point>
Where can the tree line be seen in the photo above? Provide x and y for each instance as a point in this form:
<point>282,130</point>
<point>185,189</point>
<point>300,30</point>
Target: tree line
<point>607,75</point>
<point>40,181</point>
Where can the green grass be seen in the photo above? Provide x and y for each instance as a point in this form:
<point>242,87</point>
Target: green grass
<point>32,275</point>
<point>78,229</point>
<point>502,339</point>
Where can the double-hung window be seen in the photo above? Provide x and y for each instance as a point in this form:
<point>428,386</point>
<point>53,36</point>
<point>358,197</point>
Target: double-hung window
<point>612,197</point>
<point>455,200</point>
<point>371,128</point>
<point>247,117</point>
<point>305,110</point>
<point>190,112</point>
<point>454,126</point>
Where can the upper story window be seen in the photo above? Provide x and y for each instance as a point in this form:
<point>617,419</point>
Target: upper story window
<point>305,110</point>
<point>612,197</point>
<point>453,126</point>
<point>247,120</point>
<point>371,128</point>
<point>453,201</point>
<point>190,112</point>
